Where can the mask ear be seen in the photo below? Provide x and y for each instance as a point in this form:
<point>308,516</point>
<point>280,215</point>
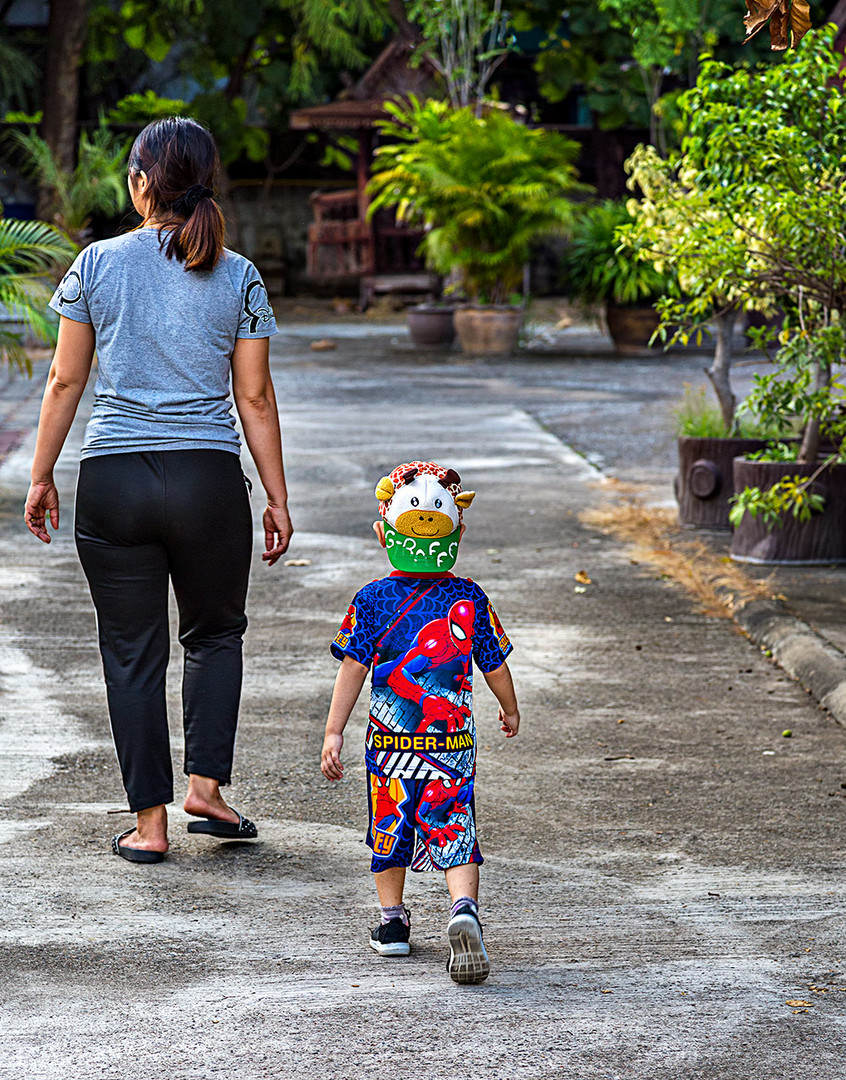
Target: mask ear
<point>464,498</point>
<point>385,489</point>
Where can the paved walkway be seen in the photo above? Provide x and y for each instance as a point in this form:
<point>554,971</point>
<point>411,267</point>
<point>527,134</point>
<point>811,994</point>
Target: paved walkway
<point>664,870</point>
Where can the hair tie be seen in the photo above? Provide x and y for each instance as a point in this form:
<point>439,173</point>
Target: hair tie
<point>188,202</point>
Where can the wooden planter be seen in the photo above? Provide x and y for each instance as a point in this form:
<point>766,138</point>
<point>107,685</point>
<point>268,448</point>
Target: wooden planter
<point>431,325</point>
<point>631,328</point>
<point>488,331</point>
<point>820,540</point>
<point>704,483</point>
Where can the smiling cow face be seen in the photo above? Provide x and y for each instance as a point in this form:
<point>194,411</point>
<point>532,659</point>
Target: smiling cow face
<point>423,508</point>
<point>422,504</point>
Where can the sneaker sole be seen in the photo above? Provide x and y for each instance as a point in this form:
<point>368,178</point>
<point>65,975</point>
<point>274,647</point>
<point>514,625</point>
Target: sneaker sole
<point>396,948</point>
<point>468,961</point>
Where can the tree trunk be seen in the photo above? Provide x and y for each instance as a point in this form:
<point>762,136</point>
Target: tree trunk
<point>60,89</point>
<point>720,370</point>
<point>811,435</point>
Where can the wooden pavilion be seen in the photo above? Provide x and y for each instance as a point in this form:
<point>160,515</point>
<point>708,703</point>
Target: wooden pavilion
<point>344,247</point>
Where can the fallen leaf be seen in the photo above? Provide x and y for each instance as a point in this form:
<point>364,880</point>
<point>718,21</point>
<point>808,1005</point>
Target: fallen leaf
<point>323,344</point>
<point>583,577</point>
<point>297,562</point>
<point>797,1003</point>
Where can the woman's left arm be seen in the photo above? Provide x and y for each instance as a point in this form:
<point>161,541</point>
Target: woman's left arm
<point>65,384</point>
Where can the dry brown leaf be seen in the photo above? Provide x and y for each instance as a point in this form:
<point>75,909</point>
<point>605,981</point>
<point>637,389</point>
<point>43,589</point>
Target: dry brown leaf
<point>789,21</point>
<point>757,14</point>
<point>323,344</point>
<point>780,28</point>
<point>799,1004</point>
<point>583,577</point>
<point>800,21</point>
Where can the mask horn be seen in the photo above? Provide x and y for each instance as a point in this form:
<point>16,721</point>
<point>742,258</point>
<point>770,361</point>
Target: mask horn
<point>385,489</point>
<point>464,498</point>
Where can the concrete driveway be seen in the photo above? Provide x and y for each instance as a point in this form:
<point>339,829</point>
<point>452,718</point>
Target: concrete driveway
<point>664,871</point>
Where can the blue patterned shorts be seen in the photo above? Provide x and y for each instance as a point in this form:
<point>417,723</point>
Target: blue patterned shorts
<point>424,824</point>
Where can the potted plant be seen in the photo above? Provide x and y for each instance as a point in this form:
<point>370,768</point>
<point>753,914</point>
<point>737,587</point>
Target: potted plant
<point>485,188</point>
<point>781,188</point>
<point>431,324</point>
<point>597,269</point>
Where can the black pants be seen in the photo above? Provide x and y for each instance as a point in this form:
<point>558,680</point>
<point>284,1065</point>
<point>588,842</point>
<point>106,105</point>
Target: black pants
<point>144,519</point>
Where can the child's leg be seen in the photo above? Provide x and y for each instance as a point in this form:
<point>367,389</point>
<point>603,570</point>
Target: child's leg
<point>390,884</point>
<point>463,882</point>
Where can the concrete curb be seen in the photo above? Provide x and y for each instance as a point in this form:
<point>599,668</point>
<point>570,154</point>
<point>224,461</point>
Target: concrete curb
<point>800,651</point>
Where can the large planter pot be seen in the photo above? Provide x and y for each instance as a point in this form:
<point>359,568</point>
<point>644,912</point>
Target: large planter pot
<point>631,328</point>
<point>490,330</point>
<point>431,325</point>
<point>820,540</point>
<point>704,483</point>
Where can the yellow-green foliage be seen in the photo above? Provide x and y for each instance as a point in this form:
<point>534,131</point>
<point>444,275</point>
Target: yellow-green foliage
<point>484,188</point>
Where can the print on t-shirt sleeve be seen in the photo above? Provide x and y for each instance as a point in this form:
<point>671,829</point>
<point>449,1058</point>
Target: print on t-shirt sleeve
<point>256,319</point>
<point>356,637</point>
<point>490,641</point>
<point>69,298</point>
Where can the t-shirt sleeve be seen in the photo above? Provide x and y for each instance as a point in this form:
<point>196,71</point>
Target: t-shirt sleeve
<point>490,641</point>
<point>70,298</point>
<point>256,319</point>
<point>357,635</point>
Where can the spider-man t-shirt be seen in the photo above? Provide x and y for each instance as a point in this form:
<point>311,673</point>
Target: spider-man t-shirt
<point>421,635</point>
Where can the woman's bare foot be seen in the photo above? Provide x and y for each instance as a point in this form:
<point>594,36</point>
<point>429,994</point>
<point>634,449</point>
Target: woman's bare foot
<point>150,833</point>
<point>204,800</point>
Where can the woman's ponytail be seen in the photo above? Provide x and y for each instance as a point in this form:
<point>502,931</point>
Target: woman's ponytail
<point>180,160</point>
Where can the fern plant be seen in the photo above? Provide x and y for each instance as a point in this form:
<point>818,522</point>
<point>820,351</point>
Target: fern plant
<point>485,189</point>
<point>29,250</point>
<point>598,269</point>
<point>96,186</point>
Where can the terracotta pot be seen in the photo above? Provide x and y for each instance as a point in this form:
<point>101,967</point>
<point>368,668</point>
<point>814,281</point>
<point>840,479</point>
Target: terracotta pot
<point>820,540</point>
<point>705,483</point>
<point>488,331</point>
<point>431,325</point>
<point>631,328</point>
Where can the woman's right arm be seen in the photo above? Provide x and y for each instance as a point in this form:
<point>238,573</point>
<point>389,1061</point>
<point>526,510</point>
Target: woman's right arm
<point>255,400</point>
<point>65,384</point>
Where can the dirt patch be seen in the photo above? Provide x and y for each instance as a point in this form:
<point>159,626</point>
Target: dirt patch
<point>719,585</point>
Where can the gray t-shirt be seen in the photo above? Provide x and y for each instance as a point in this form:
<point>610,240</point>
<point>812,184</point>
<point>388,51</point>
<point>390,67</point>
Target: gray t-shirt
<point>165,336</point>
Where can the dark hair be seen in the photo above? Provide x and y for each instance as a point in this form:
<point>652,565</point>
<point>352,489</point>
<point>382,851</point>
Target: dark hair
<point>180,160</point>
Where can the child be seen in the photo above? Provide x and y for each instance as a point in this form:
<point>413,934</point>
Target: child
<point>419,628</point>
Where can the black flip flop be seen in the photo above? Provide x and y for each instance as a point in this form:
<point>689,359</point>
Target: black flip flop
<point>226,830</point>
<point>133,854</point>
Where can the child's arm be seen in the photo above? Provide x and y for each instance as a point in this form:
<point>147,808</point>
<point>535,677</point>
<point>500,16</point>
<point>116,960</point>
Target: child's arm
<point>499,680</point>
<point>348,684</point>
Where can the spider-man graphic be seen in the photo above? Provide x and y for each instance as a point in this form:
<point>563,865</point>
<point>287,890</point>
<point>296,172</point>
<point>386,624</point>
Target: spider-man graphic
<point>440,801</point>
<point>439,643</point>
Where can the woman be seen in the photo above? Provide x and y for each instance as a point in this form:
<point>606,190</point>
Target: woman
<point>161,497</point>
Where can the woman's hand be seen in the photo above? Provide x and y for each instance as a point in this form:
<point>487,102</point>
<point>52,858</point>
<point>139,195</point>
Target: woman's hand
<point>278,531</point>
<point>42,499</point>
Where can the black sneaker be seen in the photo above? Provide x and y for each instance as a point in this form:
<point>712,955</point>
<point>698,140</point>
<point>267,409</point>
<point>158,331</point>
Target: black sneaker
<point>468,962</point>
<point>391,938</point>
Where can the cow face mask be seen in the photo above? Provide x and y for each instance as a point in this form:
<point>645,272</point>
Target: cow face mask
<point>421,504</point>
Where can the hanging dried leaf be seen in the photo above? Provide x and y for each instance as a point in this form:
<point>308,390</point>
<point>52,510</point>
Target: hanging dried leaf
<point>789,21</point>
<point>780,28</point>
<point>800,21</point>
<point>758,14</point>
